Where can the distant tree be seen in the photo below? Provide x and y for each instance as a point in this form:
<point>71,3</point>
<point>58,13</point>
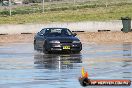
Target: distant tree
<point>35,1</point>
<point>38,1</point>
<point>1,0</point>
<point>25,1</point>
<point>32,1</point>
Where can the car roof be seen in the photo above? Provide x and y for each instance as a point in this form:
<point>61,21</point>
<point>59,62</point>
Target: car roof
<point>55,28</point>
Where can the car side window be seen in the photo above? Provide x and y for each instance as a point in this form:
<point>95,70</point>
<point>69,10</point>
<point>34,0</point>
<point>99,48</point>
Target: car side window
<point>42,31</point>
<point>69,33</point>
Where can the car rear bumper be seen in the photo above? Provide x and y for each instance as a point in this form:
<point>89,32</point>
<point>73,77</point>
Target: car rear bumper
<point>75,47</point>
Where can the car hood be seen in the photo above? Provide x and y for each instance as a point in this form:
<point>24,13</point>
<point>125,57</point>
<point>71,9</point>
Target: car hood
<point>63,39</point>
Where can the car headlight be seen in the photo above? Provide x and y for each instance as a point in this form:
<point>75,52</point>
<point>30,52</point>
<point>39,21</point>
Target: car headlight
<point>76,42</point>
<point>54,41</point>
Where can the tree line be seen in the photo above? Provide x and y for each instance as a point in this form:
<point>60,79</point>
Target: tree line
<point>33,1</point>
<point>38,1</point>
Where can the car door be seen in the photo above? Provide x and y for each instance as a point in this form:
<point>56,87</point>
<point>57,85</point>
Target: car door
<point>40,39</point>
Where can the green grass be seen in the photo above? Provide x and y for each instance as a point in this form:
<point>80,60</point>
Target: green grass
<point>84,13</point>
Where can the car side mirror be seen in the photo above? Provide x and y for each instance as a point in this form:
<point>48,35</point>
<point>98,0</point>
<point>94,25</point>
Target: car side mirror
<point>74,34</point>
<point>40,34</point>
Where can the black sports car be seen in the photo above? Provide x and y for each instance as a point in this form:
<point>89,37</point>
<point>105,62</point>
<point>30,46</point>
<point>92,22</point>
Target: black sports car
<point>57,39</point>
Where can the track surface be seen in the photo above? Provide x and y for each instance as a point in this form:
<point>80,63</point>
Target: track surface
<point>22,67</point>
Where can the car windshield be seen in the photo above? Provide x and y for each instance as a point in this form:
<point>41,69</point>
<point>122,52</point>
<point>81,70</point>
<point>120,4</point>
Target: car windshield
<point>51,32</point>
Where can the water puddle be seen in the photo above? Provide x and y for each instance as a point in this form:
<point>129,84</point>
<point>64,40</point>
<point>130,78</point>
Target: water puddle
<point>22,67</point>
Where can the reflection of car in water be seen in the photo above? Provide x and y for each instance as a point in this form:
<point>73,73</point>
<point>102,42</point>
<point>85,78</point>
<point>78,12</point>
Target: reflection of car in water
<point>57,39</point>
<point>53,61</point>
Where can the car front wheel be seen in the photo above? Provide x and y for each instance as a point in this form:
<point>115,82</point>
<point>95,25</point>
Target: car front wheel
<point>45,50</point>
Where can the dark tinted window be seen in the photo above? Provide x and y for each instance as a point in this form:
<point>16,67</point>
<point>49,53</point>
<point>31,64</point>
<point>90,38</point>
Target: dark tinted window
<point>57,32</point>
<point>42,31</point>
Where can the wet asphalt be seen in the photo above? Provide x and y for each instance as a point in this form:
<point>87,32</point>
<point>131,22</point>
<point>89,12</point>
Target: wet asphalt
<point>22,67</point>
